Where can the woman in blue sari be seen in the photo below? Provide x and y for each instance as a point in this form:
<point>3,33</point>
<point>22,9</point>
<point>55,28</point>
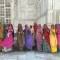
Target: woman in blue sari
<point>28,38</point>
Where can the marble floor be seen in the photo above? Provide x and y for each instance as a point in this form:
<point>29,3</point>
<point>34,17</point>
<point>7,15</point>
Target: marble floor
<point>29,56</point>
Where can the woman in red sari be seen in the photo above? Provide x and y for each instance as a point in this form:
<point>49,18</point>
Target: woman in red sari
<point>35,27</point>
<point>46,38</point>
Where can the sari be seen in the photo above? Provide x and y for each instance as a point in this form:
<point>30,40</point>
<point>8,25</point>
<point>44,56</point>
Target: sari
<point>28,38</point>
<point>1,35</point>
<point>9,39</point>
<point>35,30</point>
<point>39,38</point>
<point>20,37</point>
<point>1,31</point>
<point>46,39</point>
<point>53,39</point>
<point>57,27</point>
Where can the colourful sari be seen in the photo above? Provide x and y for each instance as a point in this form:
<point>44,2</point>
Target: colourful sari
<point>8,41</point>
<point>32,32</point>
<point>1,31</point>
<point>57,27</point>
<point>35,27</point>
<point>39,38</point>
<point>1,35</point>
<point>5,30</point>
<point>53,40</point>
<point>35,30</point>
<point>46,40</point>
<point>28,38</point>
<point>20,37</point>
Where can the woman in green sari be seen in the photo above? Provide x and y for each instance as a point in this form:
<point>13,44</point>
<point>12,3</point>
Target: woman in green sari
<point>46,39</point>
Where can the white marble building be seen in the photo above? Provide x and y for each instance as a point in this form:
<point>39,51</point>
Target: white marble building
<point>50,12</point>
<point>6,10</point>
<point>26,12</point>
<point>30,11</point>
<point>41,11</point>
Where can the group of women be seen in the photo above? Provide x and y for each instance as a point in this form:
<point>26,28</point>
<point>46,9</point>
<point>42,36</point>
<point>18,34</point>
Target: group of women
<point>36,37</point>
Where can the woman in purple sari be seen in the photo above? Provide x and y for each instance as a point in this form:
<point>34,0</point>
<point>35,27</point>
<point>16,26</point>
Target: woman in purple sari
<point>28,38</point>
<point>39,38</point>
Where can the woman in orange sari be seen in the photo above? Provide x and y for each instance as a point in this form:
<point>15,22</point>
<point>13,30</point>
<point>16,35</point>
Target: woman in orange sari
<point>1,35</point>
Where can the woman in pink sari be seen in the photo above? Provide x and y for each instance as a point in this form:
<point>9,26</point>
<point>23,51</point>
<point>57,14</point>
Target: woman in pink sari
<point>39,38</point>
<point>57,27</point>
<point>8,41</point>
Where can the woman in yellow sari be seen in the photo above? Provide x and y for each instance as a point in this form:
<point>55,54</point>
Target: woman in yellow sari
<point>53,39</point>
